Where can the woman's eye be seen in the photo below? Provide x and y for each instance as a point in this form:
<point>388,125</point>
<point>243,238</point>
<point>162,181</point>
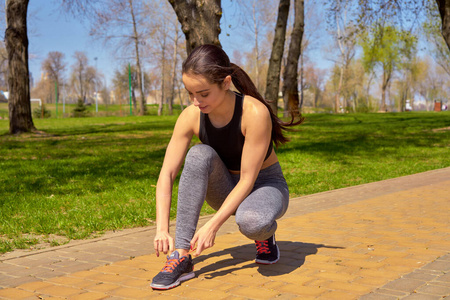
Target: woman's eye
<point>204,95</point>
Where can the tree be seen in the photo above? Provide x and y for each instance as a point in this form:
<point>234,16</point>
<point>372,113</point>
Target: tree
<point>54,66</point>
<point>274,70</point>
<point>121,84</point>
<point>402,11</point>
<point>290,78</point>
<point>437,45</point>
<point>409,72</point>
<point>20,119</point>
<point>383,48</point>
<point>200,21</point>
<point>257,16</point>
<point>165,51</point>
<point>16,37</point>
<point>314,82</point>
<point>121,22</point>
<point>431,83</point>
<point>444,11</point>
<point>3,67</point>
<point>345,39</point>
<point>84,77</point>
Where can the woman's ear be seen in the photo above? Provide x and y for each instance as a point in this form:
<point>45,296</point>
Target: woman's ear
<point>226,83</point>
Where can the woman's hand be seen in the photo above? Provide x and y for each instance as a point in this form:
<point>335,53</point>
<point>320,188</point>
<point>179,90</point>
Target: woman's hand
<point>204,238</point>
<point>163,242</point>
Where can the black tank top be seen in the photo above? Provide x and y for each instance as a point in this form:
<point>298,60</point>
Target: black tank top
<point>228,141</point>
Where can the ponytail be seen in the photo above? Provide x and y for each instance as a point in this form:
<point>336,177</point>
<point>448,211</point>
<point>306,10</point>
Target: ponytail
<point>213,63</point>
<point>245,85</point>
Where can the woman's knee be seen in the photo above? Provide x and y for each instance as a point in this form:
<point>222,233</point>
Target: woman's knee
<point>255,226</point>
<point>199,156</point>
<point>200,152</point>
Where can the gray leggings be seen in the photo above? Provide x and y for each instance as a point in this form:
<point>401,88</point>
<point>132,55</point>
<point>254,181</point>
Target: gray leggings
<point>205,176</point>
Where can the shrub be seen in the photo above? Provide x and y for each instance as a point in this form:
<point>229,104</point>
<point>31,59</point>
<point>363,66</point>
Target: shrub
<point>40,112</point>
<point>80,110</point>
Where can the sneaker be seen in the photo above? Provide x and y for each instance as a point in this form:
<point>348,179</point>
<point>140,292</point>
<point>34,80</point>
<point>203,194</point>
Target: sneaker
<point>267,251</point>
<point>176,270</point>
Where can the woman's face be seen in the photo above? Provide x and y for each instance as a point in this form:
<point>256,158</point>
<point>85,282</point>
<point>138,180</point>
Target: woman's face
<point>205,95</point>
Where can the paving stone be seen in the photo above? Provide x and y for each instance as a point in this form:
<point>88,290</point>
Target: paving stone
<point>12,293</point>
<point>443,278</point>
<point>404,285</point>
<point>418,296</point>
<point>385,291</point>
<point>59,291</point>
<point>420,275</point>
<point>375,296</point>
<point>445,257</point>
<point>434,290</point>
<point>438,265</point>
<point>90,296</point>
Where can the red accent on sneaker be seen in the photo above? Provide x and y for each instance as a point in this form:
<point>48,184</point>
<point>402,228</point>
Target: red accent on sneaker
<point>171,264</point>
<point>262,246</point>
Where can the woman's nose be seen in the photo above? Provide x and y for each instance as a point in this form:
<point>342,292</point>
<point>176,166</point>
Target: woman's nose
<point>196,103</point>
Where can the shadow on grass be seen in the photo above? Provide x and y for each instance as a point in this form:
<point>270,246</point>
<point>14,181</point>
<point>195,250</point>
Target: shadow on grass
<point>293,256</point>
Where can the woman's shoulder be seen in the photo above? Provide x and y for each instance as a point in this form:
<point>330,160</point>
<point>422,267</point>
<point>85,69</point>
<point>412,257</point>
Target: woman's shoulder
<point>190,118</point>
<point>190,112</point>
<point>253,107</point>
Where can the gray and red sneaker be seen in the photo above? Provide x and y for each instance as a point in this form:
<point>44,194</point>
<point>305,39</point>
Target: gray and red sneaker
<point>267,251</point>
<point>176,270</point>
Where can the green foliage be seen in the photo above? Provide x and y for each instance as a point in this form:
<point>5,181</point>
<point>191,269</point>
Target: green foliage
<point>385,46</point>
<point>80,110</point>
<point>40,112</point>
<point>90,175</point>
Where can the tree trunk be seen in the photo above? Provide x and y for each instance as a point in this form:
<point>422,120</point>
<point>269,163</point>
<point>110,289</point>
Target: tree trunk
<point>163,73</point>
<point>302,81</point>
<point>256,40</point>
<point>16,38</point>
<point>290,88</point>
<point>174,73</point>
<point>200,21</point>
<point>337,100</point>
<point>384,87</point>
<point>444,10</point>
<point>138,63</point>
<point>273,72</point>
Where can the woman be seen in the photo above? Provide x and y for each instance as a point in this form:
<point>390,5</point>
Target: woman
<point>235,169</point>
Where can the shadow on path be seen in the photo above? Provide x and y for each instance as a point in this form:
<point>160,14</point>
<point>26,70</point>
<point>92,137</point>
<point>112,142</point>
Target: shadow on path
<point>293,255</point>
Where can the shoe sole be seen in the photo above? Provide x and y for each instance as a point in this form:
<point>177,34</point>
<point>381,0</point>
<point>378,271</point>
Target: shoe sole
<point>268,262</point>
<point>182,278</point>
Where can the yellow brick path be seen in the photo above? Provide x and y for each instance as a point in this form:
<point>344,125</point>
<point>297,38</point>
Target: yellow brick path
<point>392,246</point>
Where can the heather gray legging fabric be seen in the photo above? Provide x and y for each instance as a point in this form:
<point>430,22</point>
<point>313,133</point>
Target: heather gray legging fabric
<point>205,176</point>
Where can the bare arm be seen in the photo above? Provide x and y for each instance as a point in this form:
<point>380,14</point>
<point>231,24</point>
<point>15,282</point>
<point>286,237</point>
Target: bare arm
<point>175,154</point>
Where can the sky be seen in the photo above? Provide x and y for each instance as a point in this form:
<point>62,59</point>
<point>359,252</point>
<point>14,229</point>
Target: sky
<point>51,30</point>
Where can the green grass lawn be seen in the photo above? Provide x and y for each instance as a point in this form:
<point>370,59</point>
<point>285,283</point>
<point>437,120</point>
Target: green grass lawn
<point>85,176</point>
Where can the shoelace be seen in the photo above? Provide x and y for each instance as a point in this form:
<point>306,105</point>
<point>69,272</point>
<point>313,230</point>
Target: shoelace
<point>262,247</point>
<point>171,264</point>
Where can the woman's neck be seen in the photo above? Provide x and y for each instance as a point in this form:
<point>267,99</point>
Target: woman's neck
<point>223,114</point>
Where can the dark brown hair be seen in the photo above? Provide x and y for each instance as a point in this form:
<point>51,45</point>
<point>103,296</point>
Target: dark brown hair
<point>212,62</point>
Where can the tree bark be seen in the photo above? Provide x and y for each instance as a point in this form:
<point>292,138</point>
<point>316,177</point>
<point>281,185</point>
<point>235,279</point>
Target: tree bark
<point>384,88</point>
<point>337,99</point>
<point>274,70</point>
<point>444,10</point>
<point>20,119</point>
<point>174,73</point>
<point>138,62</point>
<point>200,21</point>
<point>290,87</point>
<point>163,73</point>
